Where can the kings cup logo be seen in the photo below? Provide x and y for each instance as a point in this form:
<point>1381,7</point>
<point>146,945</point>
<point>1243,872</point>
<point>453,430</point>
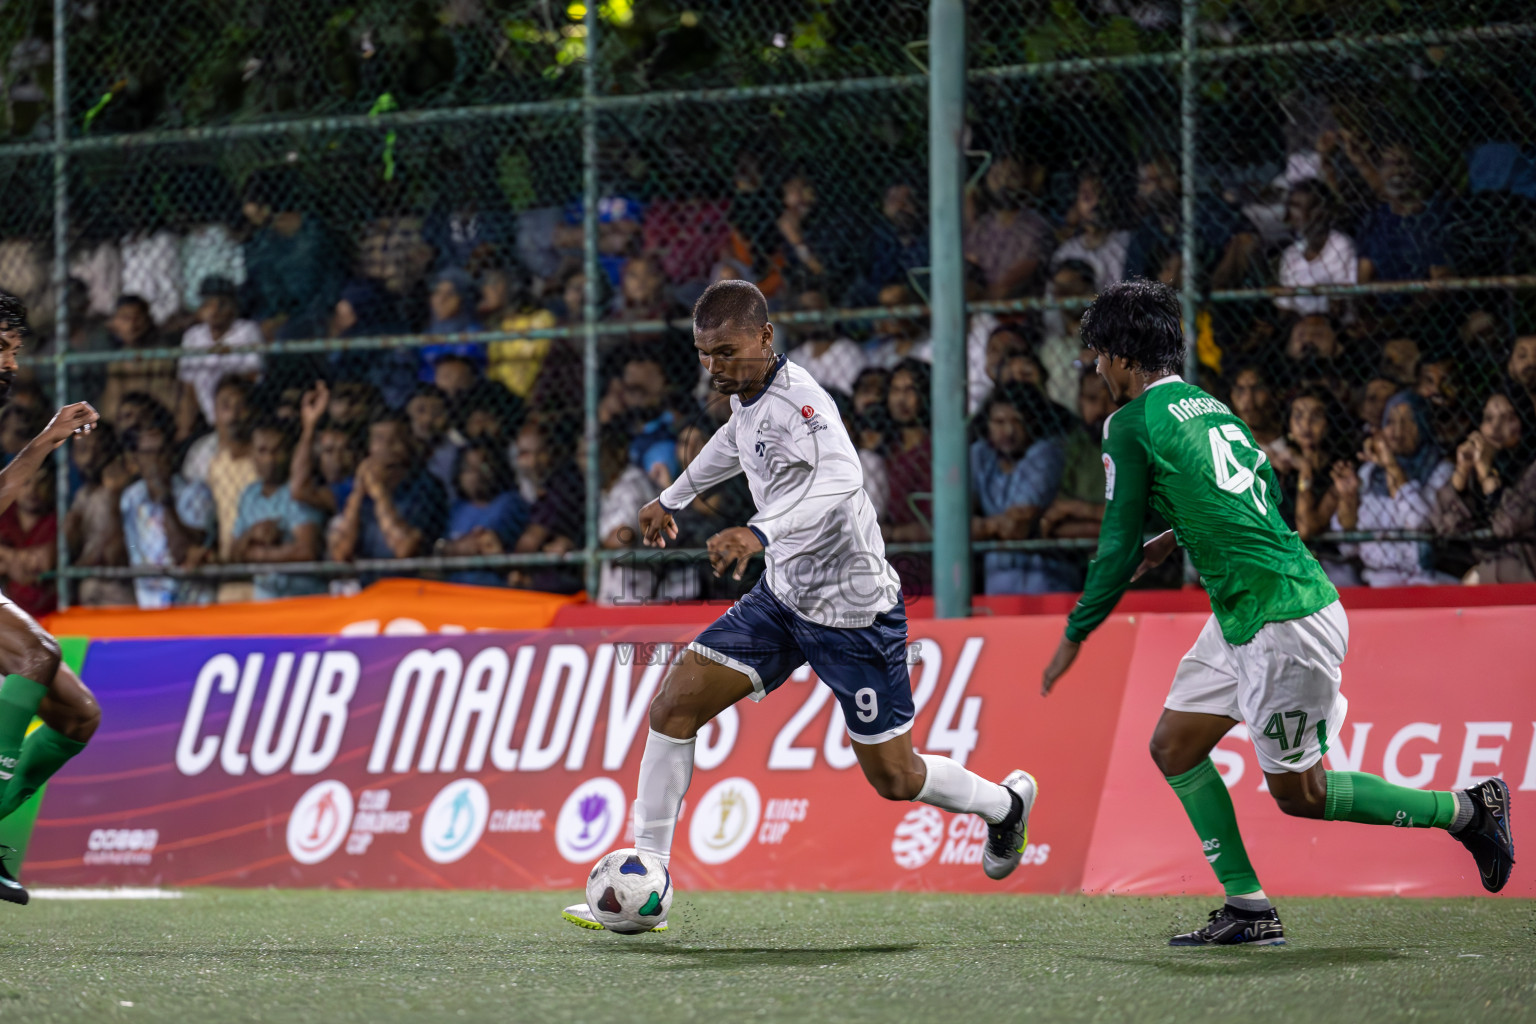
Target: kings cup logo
<point>590,820</point>
<point>725,820</point>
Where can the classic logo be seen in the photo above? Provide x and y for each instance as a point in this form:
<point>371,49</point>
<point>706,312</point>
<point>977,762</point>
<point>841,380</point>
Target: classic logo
<point>917,838</point>
<point>319,822</point>
<point>725,820</point>
<point>590,820</point>
<point>455,820</point>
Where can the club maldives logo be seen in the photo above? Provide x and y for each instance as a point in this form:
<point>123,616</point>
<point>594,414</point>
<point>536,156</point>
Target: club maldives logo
<point>590,820</point>
<point>725,820</point>
<point>917,838</point>
<point>455,820</point>
<point>319,822</point>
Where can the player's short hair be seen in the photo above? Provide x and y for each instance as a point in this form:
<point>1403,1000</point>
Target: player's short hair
<point>13,314</point>
<point>731,304</point>
<point>1137,320</point>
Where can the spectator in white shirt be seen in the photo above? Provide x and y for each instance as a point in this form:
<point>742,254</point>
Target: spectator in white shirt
<point>218,324</point>
<point>899,338</point>
<point>1092,238</point>
<point>1319,256</point>
<point>833,362</point>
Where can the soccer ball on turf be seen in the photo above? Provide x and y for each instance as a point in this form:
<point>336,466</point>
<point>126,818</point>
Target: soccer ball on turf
<point>629,891</point>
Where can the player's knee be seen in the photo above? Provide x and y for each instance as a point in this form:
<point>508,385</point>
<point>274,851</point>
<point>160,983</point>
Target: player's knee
<point>673,717</point>
<point>1300,798</point>
<point>1168,756</point>
<point>895,784</point>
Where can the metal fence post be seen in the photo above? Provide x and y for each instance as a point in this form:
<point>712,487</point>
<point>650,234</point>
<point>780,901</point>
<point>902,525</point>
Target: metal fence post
<point>61,275</point>
<point>590,312</point>
<point>946,175</point>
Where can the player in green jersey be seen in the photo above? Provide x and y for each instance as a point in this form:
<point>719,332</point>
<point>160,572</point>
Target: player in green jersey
<point>1271,651</point>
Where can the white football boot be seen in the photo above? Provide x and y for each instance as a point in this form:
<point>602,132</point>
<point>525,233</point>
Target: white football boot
<point>580,915</point>
<point>1006,839</point>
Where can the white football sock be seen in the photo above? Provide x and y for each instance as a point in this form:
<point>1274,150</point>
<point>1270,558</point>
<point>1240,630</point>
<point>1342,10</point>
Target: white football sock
<point>953,787</point>
<point>666,768</point>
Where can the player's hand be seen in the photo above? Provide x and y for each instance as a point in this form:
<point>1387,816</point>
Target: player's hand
<point>313,405</point>
<point>1154,552</point>
<point>731,550</point>
<point>266,533</point>
<point>657,525</point>
<point>1065,655</point>
<point>79,418</point>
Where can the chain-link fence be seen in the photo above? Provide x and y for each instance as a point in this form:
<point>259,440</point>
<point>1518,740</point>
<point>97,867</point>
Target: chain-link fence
<point>403,288</point>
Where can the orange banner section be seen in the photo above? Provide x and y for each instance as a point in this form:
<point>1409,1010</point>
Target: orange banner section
<point>387,608</point>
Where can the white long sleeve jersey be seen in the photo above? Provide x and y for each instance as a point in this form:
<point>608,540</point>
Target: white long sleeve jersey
<point>825,555</point>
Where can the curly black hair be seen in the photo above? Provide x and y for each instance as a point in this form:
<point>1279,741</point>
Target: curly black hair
<point>1137,320</point>
<point>13,314</point>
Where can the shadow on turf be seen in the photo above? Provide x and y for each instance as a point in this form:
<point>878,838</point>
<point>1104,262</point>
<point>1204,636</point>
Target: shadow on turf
<point>1196,962</point>
<point>702,958</point>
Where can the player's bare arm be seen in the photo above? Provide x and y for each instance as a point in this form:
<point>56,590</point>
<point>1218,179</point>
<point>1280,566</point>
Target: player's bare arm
<point>78,418</point>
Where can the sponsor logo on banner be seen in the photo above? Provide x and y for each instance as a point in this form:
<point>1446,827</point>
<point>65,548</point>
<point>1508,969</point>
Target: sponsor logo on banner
<point>724,821</point>
<point>121,845</point>
<point>781,814</point>
<point>319,821</point>
<point>590,820</point>
<point>373,818</point>
<point>517,820</point>
<point>918,835</point>
<point>454,821</point>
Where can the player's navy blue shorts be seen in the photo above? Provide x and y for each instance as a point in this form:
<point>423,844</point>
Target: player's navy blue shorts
<point>765,640</point>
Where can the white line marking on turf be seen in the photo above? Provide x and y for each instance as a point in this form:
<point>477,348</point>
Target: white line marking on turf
<point>106,894</point>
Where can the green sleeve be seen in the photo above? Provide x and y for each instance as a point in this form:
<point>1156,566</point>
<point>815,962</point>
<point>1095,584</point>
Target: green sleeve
<point>1127,456</point>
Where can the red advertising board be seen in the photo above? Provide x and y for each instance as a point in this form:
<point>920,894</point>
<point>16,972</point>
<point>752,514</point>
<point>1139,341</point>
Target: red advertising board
<point>507,760</point>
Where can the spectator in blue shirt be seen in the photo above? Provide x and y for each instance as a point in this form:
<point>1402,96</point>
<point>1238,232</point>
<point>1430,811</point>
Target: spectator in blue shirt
<point>490,514</point>
<point>167,519</point>
<point>1403,239</point>
<point>454,300</point>
<point>291,264</point>
<point>272,525</point>
<point>396,509</point>
<point>1015,471</point>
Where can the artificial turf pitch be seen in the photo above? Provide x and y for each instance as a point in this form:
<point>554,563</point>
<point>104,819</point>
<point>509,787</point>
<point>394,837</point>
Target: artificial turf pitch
<point>376,957</point>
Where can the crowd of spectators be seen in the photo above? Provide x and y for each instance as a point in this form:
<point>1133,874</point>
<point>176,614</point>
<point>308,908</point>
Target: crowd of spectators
<point>1379,412</point>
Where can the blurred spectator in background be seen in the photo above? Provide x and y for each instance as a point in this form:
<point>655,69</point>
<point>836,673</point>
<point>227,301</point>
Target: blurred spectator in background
<point>292,266</point>
<point>625,488</point>
<point>151,255</point>
<point>557,518</point>
<point>1253,401</point>
<point>725,505</point>
<point>833,362</point>
<point>325,457</point>
<point>470,227</point>
<point>271,524</point>
<point>365,310</point>
<point>454,302</point>
<point>1061,351</point>
<point>1439,384</point>
<point>909,463</point>
<point>807,245</point>
<point>1318,439</point>
<point>132,328</point>
<point>93,527</point>
<point>455,376</point>
<point>898,244</point>
<point>516,364</point>
<point>643,295</point>
<point>1522,367</point>
<point>396,509</point>
<point>19,424</point>
<point>898,338</point>
<point>1015,471</point>
<point>644,407</point>
<point>205,215</point>
<point>1007,241</point>
<point>1225,239</point>
<point>1078,509</point>
<point>167,519</point>
<point>1371,402</point>
<point>1493,486</point>
<point>29,544</point>
<point>1400,474</point>
<point>489,515</point>
<point>428,412</point>
<point>1319,256</point>
<point>218,323</point>
<point>871,430</point>
<point>1090,233</point>
<point>1403,239</point>
<point>223,461</point>
<point>1400,361</point>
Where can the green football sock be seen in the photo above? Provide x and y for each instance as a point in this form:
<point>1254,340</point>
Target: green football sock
<point>43,753</point>
<point>18,703</point>
<point>1209,807</point>
<point>1371,800</point>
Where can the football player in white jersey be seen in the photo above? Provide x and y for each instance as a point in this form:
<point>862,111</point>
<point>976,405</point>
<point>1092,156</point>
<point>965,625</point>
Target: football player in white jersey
<point>827,597</point>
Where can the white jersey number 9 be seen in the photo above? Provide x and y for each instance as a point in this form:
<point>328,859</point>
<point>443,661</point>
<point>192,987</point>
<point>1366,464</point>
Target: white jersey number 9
<point>1231,475</point>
